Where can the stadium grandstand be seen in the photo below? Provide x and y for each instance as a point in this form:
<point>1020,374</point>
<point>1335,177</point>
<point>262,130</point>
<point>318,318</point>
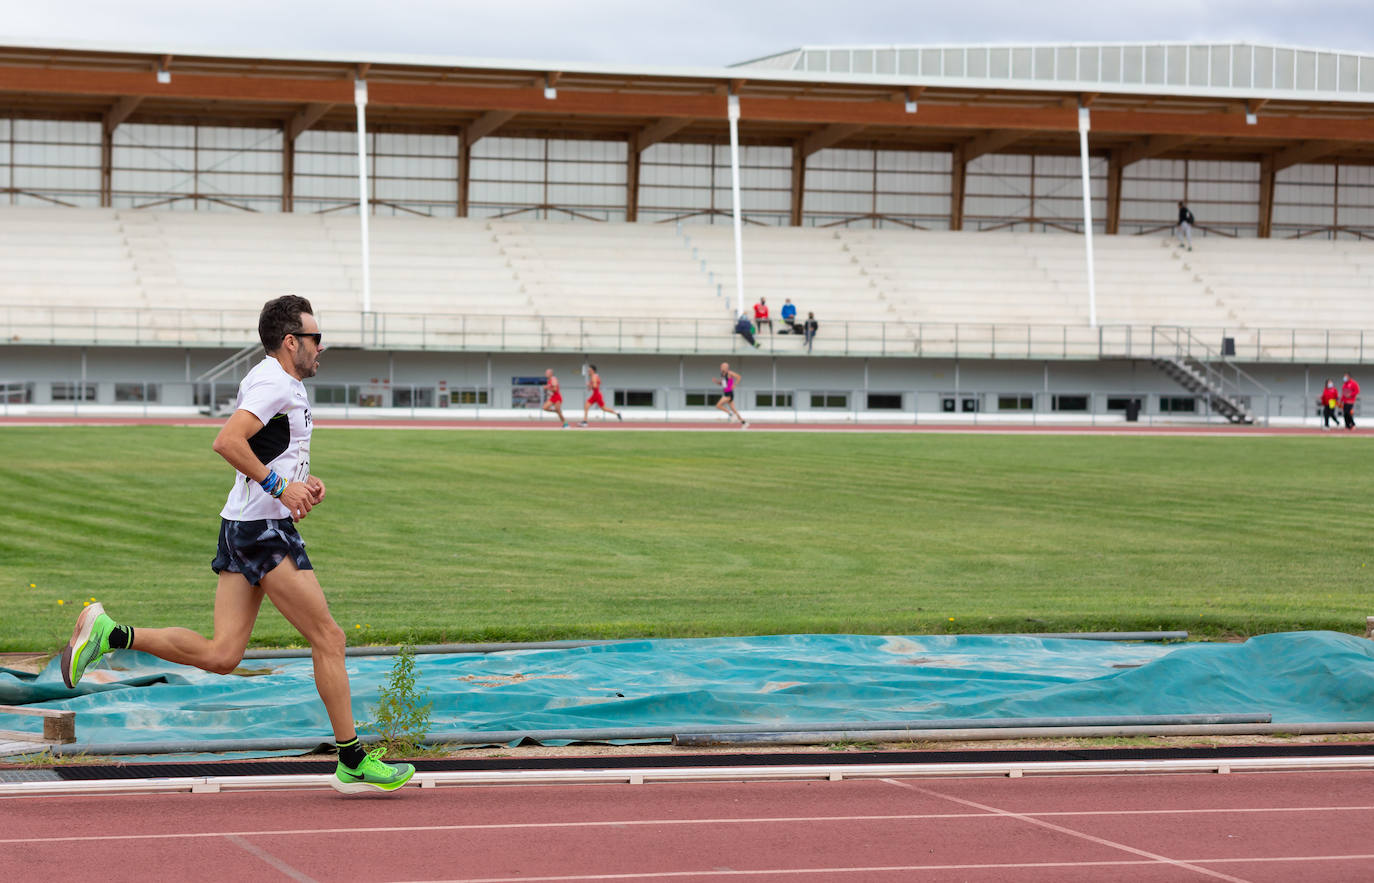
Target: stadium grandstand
<point>927,204</point>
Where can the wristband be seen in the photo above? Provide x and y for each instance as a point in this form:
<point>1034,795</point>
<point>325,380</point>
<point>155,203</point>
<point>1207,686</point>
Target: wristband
<point>273,484</point>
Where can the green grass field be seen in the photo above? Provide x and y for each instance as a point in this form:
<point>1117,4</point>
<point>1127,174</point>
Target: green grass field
<point>497,535</point>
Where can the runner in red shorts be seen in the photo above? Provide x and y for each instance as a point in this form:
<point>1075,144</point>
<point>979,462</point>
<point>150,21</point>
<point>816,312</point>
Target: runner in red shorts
<point>555,400</point>
<point>594,397</point>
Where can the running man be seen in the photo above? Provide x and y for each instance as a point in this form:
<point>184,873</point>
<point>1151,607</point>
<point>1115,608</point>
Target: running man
<point>555,400</point>
<point>267,441</point>
<point>594,397</point>
<point>727,381</point>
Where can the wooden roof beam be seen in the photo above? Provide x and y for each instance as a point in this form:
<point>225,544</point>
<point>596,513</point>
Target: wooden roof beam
<point>305,118</point>
<point>1307,151</point>
<point>828,137</point>
<point>291,92</point>
<point>910,93</point>
<point>486,124</point>
<point>1153,146</point>
<point>991,142</point>
<point>659,131</point>
<point>120,111</point>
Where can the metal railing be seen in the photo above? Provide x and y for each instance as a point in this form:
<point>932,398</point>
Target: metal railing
<point>1214,367</point>
<point>1004,404</point>
<point>234,328</point>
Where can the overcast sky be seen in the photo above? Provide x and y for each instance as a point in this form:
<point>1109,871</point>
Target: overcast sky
<point>684,33</point>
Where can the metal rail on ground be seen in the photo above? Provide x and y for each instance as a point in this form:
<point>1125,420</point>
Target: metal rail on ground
<point>908,730</point>
<point>649,774</point>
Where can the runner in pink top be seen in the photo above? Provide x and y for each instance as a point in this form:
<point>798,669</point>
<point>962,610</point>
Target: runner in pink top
<point>727,381</point>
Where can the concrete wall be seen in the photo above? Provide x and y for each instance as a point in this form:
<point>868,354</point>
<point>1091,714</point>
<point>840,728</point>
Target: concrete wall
<point>51,375</point>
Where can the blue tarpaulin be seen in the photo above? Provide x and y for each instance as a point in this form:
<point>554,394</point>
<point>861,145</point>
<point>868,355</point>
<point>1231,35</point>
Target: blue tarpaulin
<point>695,685</point>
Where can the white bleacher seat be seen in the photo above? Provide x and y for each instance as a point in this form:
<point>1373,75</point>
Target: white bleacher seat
<point>142,260</point>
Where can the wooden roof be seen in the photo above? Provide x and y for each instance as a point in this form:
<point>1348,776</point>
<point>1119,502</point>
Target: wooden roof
<point>689,105</point>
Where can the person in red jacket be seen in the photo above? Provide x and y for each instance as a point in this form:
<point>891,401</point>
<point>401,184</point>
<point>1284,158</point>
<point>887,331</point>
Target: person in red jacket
<point>1327,403</point>
<point>1350,391</point>
<point>761,315</point>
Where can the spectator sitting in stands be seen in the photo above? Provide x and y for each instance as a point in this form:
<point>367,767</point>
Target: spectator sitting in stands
<point>811,327</point>
<point>761,316</point>
<point>789,317</point>
<point>744,328</point>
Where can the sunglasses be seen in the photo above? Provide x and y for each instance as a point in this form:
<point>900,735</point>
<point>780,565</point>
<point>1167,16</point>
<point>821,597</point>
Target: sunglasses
<point>313,335</point>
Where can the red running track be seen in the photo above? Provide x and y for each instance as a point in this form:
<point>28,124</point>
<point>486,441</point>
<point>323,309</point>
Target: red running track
<point>1270,826</point>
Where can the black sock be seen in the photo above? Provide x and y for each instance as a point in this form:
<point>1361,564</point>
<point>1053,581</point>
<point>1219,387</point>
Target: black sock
<point>351,753</point>
<point>121,637</point>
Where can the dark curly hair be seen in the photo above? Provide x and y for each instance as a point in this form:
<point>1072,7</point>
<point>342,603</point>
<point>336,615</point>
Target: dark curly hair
<point>280,317</point>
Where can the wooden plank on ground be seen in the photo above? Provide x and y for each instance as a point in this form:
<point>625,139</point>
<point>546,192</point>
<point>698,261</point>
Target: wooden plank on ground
<point>58,726</point>
<point>10,746</point>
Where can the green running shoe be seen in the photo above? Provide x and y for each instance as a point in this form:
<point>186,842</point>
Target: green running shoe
<point>90,641</point>
<point>371,775</point>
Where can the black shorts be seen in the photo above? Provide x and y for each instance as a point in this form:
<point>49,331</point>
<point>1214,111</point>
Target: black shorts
<point>255,548</point>
<point>727,397</point>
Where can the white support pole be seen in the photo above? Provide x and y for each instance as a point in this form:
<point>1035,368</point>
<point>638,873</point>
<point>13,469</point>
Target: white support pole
<point>734,193</point>
<point>364,204</point>
<point>1083,123</point>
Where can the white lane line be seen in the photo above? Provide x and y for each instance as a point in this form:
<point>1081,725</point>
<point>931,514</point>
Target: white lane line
<point>268,857</point>
<point>1283,858</point>
<point>1062,830</point>
<point>760,872</point>
<point>504,826</point>
<point>652,875</point>
<point>1200,811</point>
<point>493,826</point>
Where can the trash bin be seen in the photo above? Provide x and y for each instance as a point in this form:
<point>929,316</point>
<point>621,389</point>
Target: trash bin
<point>1228,346</point>
<point>1132,410</point>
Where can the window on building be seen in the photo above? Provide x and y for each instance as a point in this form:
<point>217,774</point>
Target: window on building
<point>16,393</point>
<point>829,400</point>
<point>330,394</point>
<point>951,404</point>
<point>884,401</point>
<point>702,398</point>
<point>1121,403</point>
<point>63,391</point>
<point>634,398</point>
<point>136,392</point>
<point>1177,405</point>
<point>1019,402</point>
<point>468,396</point>
<point>773,400</point>
<point>1069,403</point>
<point>412,397</point>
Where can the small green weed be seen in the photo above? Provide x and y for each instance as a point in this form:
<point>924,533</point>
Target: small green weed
<point>401,717</point>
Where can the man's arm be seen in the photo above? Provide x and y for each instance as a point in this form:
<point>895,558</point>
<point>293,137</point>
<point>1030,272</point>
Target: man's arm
<point>232,444</point>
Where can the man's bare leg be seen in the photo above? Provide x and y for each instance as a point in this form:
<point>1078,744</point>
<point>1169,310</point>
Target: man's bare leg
<point>299,597</point>
<point>236,610</point>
